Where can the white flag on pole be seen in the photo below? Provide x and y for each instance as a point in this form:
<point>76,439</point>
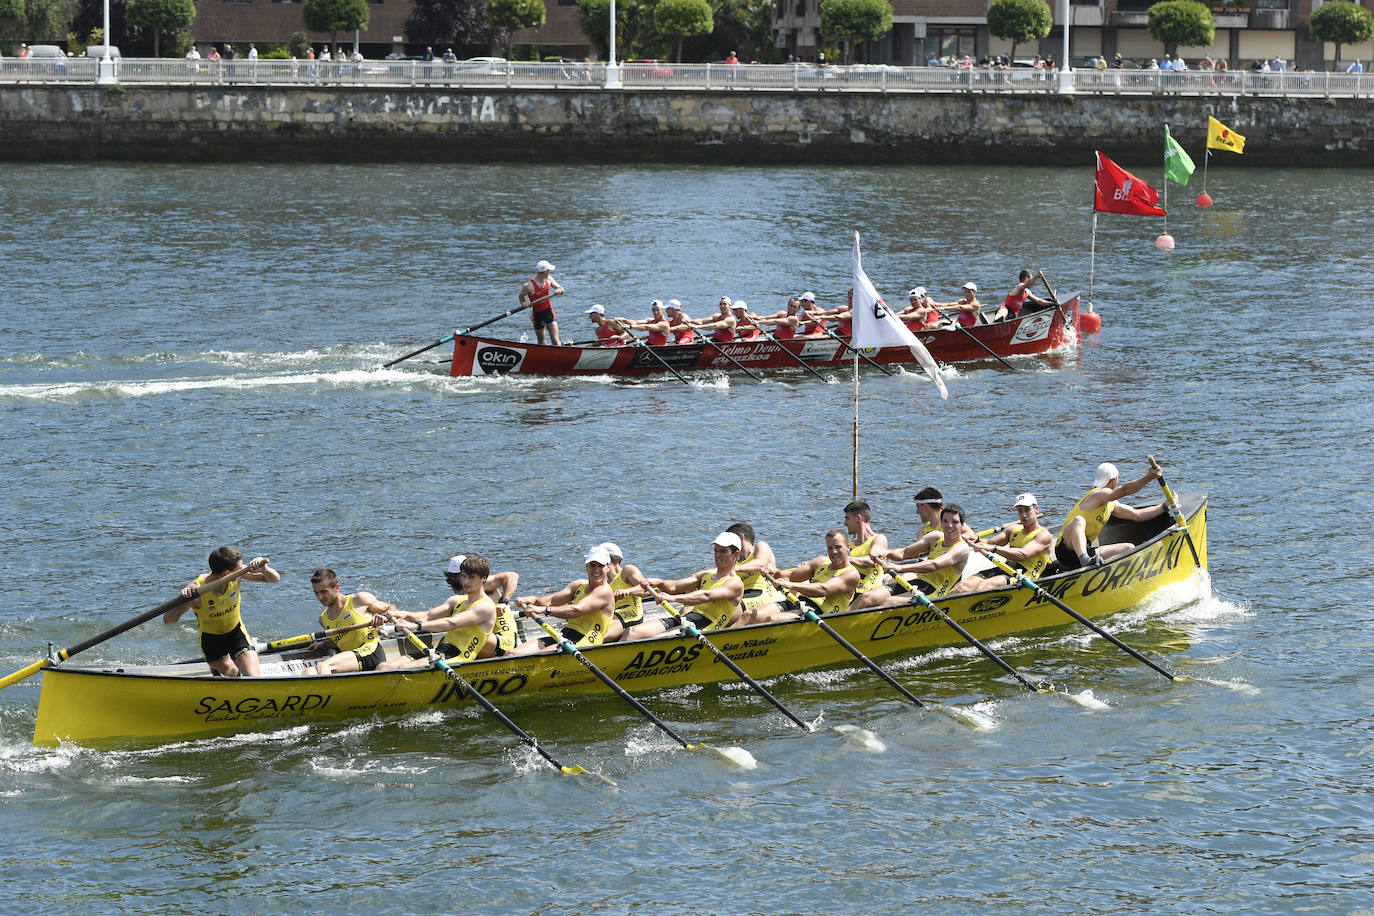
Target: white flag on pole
<point>876,326</point>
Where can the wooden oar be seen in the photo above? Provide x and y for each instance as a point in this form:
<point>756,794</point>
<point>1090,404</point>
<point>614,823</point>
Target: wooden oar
<point>986,349</point>
<point>444,340</point>
<point>723,658</point>
<point>968,637</point>
<point>644,345</point>
<point>129,624</point>
<point>706,339</point>
<point>437,661</point>
<point>1055,298</point>
<point>1020,577</point>
<point>305,639</point>
<point>1176,511</point>
<point>779,344</point>
<point>610,682</point>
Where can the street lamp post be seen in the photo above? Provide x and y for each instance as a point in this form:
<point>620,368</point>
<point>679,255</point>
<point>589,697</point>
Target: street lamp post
<point>612,69</point>
<point>106,74</point>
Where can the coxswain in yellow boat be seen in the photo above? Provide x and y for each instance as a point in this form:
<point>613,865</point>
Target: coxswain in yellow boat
<point>1025,544</point>
<point>871,592</point>
<point>1085,521</point>
<point>826,583</point>
<point>945,555</point>
<point>588,606</point>
<point>356,650</point>
<point>224,642</point>
<point>711,597</point>
<point>759,603</point>
<point>627,582</point>
<point>467,620</point>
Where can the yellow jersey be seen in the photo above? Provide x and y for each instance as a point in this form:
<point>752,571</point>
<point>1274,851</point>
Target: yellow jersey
<point>1035,565</point>
<point>720,612</point>
<point>755,582</point>
<point>837,602</point>
<point>218,614</point>
<point>1093,521</point>
<point>629,608</point>
<point>591,627</point>
<point>363,641</point>
<point>466,641</point>
<point>942,580</point>
<point>871,577</point>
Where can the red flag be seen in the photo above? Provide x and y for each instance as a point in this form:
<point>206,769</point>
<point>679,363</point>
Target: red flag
<point>1118,191</point>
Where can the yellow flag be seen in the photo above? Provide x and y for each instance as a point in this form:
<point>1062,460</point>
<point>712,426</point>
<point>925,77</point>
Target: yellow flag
<point>1219,136</point>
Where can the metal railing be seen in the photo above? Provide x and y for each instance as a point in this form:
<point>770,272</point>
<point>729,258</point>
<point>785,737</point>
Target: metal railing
<point>661,75</point>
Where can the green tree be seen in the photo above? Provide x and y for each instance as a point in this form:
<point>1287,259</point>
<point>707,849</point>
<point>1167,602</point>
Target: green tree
<point>298,45</point>
<point>1019,21</point>
<point>635,32</point>
<point>160,16</point>
<point>1341,23</point>
<point>508,16</point>
<point>334,16</point>
<point>459,24</point>
<point>47,19</point>
<point>855,20</point>
<point>1182,22</point>
<point>11,16</point>
<point>680,18</point>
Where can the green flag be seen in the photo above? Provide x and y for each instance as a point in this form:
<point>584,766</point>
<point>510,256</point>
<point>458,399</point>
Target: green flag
<point>1178,167</point>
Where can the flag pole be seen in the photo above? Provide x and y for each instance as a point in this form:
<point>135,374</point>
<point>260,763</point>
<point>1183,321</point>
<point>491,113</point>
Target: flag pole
<point>1165,180</point>
<point>855,474</point>
<point>1092,262</point>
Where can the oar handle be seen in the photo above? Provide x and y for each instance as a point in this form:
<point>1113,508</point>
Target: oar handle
<point>1174,508</point>
<point>289,642</point>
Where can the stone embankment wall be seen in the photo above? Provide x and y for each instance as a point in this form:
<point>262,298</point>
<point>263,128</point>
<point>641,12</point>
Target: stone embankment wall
<point>45,123</point>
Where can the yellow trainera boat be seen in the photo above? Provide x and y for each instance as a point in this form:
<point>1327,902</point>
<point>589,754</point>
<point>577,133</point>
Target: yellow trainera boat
<point>104,706</point>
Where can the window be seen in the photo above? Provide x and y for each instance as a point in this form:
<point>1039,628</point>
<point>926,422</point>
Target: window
<point>949,41</point>
<point>1271,4</point>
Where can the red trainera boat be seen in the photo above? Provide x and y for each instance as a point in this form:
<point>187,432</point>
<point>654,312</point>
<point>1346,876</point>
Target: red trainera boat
<point>1033,333</point>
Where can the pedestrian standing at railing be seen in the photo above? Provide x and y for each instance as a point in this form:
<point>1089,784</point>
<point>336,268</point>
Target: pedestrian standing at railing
<point>311,70</point>
<point>1356,67</point>
<point>252,51</point>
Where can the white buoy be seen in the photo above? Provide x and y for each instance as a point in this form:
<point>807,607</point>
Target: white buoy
<point>1165,242</point>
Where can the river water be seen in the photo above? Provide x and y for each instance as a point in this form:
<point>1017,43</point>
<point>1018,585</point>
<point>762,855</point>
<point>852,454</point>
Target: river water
<point>189,357</point>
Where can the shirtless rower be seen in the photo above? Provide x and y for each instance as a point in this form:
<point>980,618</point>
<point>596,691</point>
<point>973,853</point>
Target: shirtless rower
<point>587,605</point>
<point>785,323</point>
<point>710,598</point>
<point>356,650</point>
<point>608,333</point>
<point>1020,295</point>
<point>467,621</point>
<point>627,582</point>
<point>721,325</point>
<point>870,591</point>
<point>966,310</point>
<point>1074,548</point>
<point>759,603</point>
<point>679,322</point>
<point>945,554</point>
<point>920,313</point>
<point>1025,544</point>
<point>224,642</point>
<point>538,292</point>
<point>826,583</point>
<point>657,326</point>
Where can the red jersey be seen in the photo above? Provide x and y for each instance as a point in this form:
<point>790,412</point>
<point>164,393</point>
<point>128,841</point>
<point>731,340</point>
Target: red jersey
<point>541,292</point>
<point>722,335</point>
<point>607,336</point>
<point>656,339</point>
<point>747,332</point>
<point>1014,302</point>
<point>681,332</point>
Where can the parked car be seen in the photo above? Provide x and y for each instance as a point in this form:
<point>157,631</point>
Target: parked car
<point>657,68</point>
<point>98,52</point>
<point>493,66</point>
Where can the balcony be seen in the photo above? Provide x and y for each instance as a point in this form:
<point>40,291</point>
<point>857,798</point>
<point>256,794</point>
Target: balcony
<point>1270,19</point>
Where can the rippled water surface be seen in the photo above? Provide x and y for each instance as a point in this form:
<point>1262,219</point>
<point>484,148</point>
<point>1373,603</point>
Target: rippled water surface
<point>189,357</point>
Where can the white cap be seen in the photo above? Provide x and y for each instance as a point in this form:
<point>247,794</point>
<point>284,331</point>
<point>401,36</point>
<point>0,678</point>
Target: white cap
<point>1026,499</point>
<point>740,304</point>
<point>543,266</point>
<point>599,309</point>
<point>1105,471</point>
<point>724,300</point>
<point>918,291</point>
<point>612,549</point>
<point>971,285</point>
<point>656,304</point>
<point>674,304</point>
<point>726,539</point>
<point>598,555</point>
<point>808,296</point>
<point>455,565</point>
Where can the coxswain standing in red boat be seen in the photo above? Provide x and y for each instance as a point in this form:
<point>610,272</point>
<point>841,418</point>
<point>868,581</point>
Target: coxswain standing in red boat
<point>356,650</point>
<point>538,293</point>
<point>966,310</point>
<point>679,322</point>
<point>785,322</point>
<point>223,640</point>
<point>608,333</point>
<point>722,326</point>
<point>657,327</point>
<point>1020,295</point>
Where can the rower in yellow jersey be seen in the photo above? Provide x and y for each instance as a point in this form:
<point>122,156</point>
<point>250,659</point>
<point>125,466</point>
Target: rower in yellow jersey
<point>587,605</point>
<point>224,642</point>
<point>1025,544</point>
<point>466,620</point>
<point>627,582</point>
<point>499,587</point>
<point>711,597</point>
<point>865,541</point>
<point>760,602</point>
<point>1089,515</point>
<point>356,650</point>
<point>945,555</point>
<point>929,502</point>
<point>826,583</point>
